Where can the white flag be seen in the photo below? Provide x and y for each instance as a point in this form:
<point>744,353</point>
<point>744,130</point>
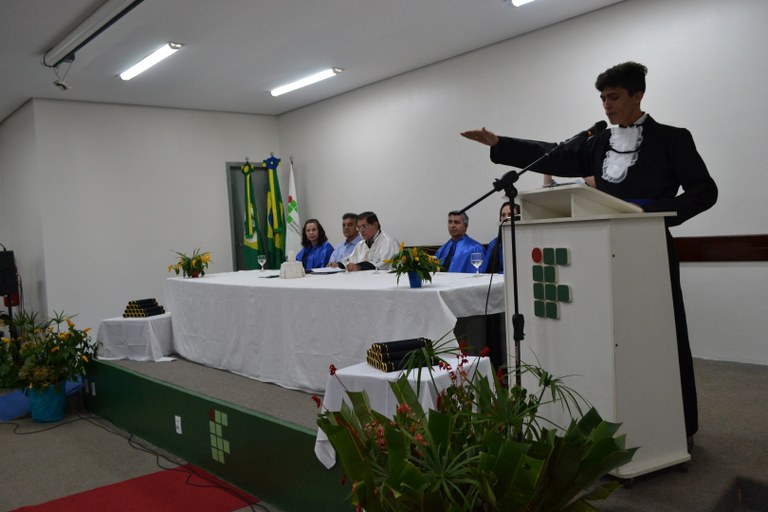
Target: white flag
<point>292,217</point>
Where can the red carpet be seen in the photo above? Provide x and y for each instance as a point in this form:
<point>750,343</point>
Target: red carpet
<point>164,491</point>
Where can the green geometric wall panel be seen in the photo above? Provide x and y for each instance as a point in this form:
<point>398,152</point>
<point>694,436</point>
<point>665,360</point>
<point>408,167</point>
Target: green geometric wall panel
<point>548,292</point>
<point>549,256</point>
<point>553,310</point>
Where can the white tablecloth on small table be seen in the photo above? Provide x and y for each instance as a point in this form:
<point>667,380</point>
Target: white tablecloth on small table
<point>139,339</point>
<point>363,377</point>
<point>288,331</point>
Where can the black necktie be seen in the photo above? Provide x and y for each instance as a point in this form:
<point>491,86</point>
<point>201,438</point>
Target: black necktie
<point>447,260</point>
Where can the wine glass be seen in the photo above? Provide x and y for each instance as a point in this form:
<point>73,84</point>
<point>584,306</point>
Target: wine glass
<point>262,261</point>
<point>345,260</point>
<point>476,259</point>
<point>376,263</point>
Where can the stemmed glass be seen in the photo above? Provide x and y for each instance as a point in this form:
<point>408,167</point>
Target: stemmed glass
<point>345,260</point>
<point>476,259</point>
<point>376,263</point>
<point>262,261</point>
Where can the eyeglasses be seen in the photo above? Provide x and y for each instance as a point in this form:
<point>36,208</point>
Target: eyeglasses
<point>363,227</point>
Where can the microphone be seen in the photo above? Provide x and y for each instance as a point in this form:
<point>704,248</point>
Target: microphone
<point>589,132</point>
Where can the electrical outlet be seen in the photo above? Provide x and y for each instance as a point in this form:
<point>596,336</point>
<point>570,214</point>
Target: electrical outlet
<point>178,424</point>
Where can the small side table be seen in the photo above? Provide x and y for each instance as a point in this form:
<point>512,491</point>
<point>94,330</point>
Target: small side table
<point>139,339</point>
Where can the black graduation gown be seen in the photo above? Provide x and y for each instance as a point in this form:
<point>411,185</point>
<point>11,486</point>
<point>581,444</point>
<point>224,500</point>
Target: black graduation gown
<point>667,161</point>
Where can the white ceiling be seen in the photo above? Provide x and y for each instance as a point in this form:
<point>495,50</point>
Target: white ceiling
<point>237,50</point>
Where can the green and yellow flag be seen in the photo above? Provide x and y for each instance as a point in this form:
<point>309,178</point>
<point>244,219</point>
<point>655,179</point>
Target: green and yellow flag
<point>253,245</point>
<point>275,216</point>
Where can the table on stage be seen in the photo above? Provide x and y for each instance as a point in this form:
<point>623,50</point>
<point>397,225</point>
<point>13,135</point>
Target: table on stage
<point>363,377</point>
<point>288,331</point>
<point>140,339</point>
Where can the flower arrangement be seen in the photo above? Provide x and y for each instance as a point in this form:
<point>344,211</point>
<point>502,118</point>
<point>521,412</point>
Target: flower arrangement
<point>44,353</point>
<point>482,449</point>
<point>191,266</point>
<point>414,259</point>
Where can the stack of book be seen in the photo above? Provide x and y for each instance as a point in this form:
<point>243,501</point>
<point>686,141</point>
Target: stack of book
<point>143,308</point>
<point>390,356</point>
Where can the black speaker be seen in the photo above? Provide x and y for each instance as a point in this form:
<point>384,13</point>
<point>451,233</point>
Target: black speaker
<point>8,282</point>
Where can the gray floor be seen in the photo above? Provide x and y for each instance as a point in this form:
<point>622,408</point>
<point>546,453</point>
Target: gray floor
<point>79,454</point>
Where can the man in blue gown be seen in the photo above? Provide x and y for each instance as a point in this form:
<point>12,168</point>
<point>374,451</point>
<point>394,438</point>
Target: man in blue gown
<point>454,255</point>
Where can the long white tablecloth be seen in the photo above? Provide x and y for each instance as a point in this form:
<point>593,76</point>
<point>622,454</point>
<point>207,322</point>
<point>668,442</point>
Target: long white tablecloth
<point>288,331</point>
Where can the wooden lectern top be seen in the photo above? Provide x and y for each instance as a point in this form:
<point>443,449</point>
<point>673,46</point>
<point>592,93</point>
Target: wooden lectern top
<point>575,202</point>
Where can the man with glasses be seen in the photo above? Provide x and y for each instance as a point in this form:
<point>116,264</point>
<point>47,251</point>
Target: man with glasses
<point>351,239</point>
<point>375,247</point>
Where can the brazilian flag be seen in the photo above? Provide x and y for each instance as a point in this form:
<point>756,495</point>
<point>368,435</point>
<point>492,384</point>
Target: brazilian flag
<point>253,245</point>
<point>275,216</point>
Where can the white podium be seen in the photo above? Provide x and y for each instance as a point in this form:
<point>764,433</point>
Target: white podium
<point>593,284</point>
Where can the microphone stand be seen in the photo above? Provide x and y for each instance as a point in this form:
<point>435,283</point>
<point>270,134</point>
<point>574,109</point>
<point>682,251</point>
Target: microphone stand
<point>507,184</point>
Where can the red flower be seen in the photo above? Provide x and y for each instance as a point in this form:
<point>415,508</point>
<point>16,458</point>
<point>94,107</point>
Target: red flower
<point>332,369</point>
<point>318,402</point>
<point>343,478</point>
<point>403,409</point>
<point>485,352</point>
<point>500,374</point>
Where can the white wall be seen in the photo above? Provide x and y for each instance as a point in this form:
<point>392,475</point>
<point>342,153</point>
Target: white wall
<point>394,147</point>
<point>21,202</point>
<point>119,189</point>
<point>122,186</point>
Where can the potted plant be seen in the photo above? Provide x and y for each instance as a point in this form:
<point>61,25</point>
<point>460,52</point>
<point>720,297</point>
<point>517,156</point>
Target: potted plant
<point>416,262</point>
<point>191,266</point>
<point>42,357</point>
<point>484,448</point>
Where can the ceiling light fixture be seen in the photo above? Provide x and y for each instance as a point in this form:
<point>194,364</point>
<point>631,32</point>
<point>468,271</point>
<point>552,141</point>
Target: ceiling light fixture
<point>309,80</point>
<point>95,24</point>
<point>150,60</point>
<point>517,3</point>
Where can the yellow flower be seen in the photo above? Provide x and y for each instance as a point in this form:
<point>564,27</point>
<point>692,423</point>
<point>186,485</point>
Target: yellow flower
<point>170,267</point>
<point>84,358</point>
<point>402,245</point>
<point>86,329</point>
<point>55,349</point>
<point>70,322</point>
<point>5,340</point>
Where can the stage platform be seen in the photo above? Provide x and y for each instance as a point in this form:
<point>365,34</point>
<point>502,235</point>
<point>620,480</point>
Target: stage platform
<point>257,436</point>
<point>270,435</point>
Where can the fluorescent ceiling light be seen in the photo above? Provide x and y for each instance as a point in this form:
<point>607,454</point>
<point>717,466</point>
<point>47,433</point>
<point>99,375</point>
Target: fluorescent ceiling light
<point>147,62</point>
<point>309,80</point>
<point>95,24</point>
<point>518,3</point>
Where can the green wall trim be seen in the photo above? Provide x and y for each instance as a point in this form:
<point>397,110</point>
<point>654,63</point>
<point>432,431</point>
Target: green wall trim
<point>265,456</point>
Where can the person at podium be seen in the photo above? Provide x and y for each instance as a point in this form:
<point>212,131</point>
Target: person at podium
<point>375,248</point>
<point>454,255</point>
<point>638,160</point>
<point>315,250</point>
